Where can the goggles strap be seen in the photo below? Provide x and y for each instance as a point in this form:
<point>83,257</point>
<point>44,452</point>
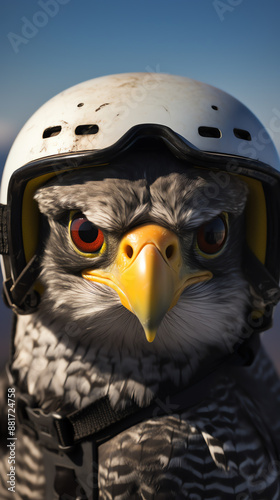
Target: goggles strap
<point>4,247</point>
<point>259,277</point>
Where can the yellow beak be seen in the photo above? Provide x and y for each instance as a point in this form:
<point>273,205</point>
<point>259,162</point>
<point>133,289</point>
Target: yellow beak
<point>148,274</point>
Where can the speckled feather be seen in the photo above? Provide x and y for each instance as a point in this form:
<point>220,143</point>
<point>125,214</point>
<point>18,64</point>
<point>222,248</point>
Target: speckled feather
<point>218,450</point>
<point>82,343</point>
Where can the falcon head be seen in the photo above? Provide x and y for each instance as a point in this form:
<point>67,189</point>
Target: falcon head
<point>129,201</point>
<point>142,259</point>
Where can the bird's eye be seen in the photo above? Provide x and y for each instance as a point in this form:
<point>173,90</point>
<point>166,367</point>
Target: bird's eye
<point>212,236</point>
<point>87,237</point>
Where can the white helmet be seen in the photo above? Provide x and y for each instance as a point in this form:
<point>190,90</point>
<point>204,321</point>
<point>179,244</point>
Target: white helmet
<point>95,121</point>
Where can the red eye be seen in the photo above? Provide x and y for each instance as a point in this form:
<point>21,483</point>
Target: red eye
<point>212,235</point>
<point>85,235</point>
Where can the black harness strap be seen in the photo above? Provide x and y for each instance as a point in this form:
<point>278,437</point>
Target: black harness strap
<point>99,421</point>
<point>90,420</point>
<point>70,443</point>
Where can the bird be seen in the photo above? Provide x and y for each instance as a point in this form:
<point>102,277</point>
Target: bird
<point>144,296</point>
<point>107,352</point>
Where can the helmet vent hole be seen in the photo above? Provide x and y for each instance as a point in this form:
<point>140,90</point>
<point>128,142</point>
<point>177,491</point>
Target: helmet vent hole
<point>215,108</point>
<point>51,132</point>
<point>210,132</point>
<point>242,134</point>
<point>86,129</point>
<point>80,104</point>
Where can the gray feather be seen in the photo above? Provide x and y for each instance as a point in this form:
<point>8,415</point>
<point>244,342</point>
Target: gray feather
<point>83,344</point>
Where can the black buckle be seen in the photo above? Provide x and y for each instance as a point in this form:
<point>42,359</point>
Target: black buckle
<point>76,462</point>
<point>46,429</point>
<point>42,426</point>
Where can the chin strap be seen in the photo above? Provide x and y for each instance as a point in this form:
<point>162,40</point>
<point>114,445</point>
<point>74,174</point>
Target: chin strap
<point>19,295</point>
<point>70,442</point>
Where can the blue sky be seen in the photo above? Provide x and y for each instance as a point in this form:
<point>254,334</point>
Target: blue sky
<point>232,44</point>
